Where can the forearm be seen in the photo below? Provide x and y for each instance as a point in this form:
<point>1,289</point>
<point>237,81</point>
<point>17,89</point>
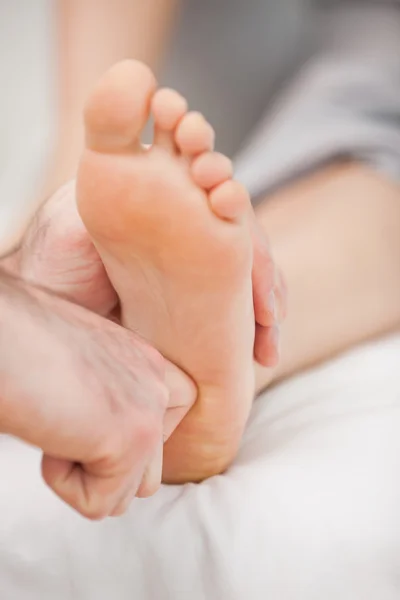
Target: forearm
<point>336,236</point>
<point>47,366</point>
<point>24,356</point>
<point>88,393</point>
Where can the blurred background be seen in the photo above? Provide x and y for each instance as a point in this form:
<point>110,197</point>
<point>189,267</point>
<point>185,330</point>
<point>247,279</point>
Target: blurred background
<point>287,84</point>
<point>228,57</point>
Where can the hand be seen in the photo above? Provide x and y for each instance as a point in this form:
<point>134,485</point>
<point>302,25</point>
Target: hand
<point>87,392</point>
<point>57,254</point>
<point>270,299</point>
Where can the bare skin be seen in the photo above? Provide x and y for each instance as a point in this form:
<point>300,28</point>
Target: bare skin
<point>363,263</point>
<point>172,229</point>
<point>89,393</point>
<point>336,235</point>
<point>58,255</point>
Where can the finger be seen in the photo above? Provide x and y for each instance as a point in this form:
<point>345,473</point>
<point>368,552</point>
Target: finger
<point>151,481</point>
<point>280,291</point>
<point>182,396</point>
<point>92,496</point>
<point>262,278</point>
<point>126,498</point>
<point>123,506</point>
<point>266,346</point>
<point>147,486</point>
<point>172,418</point>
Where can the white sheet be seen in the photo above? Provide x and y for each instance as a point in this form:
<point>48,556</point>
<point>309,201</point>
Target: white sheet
<point>309,511</point>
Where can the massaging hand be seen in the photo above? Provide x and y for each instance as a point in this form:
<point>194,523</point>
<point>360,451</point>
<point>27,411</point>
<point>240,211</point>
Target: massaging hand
<point>57,254</point>
<point>91,394</point>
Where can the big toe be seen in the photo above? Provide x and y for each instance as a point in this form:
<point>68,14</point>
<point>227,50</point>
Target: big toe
<point>119,106</point>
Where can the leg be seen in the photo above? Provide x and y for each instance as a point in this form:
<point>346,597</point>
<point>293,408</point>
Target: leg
<point>342,272</point>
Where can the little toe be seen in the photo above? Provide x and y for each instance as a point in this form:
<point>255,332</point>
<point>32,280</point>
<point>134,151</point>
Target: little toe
<point>168,107</point>
<point>194,134</point>
<point>211,169</point>
<point>118,108</point>
<point>230,200</point>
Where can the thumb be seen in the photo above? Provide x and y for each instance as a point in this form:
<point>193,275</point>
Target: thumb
<point>182,396</point>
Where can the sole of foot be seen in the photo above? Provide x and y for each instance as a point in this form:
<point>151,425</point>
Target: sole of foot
<point>172,228</point>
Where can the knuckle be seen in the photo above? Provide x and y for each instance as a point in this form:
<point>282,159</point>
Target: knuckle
<point>153,397</point>
<point>157,361</point>
<point>149,430</point>
<point>137,432</point>
<point>109,447</point>
<point>162,397</point>
<point>154,359</point>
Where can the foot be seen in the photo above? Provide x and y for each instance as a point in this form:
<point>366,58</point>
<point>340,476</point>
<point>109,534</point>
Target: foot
<point>172,229</point>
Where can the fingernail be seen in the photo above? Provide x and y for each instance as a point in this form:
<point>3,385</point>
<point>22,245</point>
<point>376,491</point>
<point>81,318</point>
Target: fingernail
<point>272,304</point>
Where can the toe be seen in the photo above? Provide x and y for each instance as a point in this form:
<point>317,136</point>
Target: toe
<point>211,169</point>
<point>118,108</point>
<point>168,107</point>
<point>194,134</point>
<point>230,200</point>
